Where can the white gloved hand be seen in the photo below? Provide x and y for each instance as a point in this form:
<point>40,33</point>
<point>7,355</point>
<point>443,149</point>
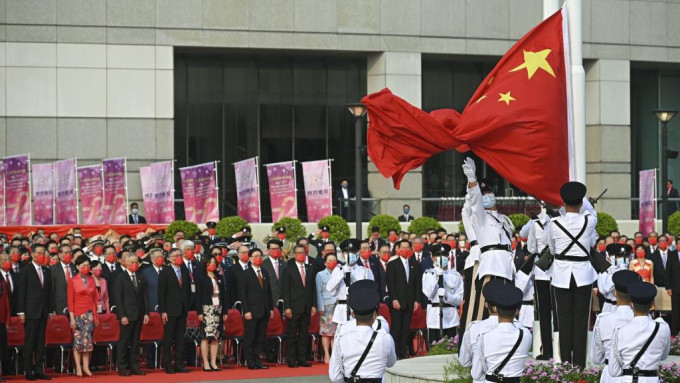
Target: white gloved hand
<point>346,268</point>
<point>470,170</point>
<point>439,271</point>
<point>441,292</point>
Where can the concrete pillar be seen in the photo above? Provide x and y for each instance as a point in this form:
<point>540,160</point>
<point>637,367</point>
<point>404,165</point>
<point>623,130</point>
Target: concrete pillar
<point>608,135</point>
<point>402,73</point>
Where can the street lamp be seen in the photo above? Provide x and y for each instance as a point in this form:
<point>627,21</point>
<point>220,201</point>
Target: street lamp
<point>664,116</point>
<point>358,111</point>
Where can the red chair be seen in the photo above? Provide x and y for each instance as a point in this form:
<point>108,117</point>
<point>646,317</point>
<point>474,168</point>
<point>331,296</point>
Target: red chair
<point>314,329</point>
<point>233,332</point>
<point>107,333</point>
<point>193,328</point>
<point>58,333</point>
<point>384,311</point>
<point>276,331</point>
<point>15,339</point>
<point>152,333</point>
<point>419,327</point>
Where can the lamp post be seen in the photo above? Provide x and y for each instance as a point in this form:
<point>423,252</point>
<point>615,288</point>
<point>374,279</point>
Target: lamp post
<point>664,116</point>
<point>358,111</point>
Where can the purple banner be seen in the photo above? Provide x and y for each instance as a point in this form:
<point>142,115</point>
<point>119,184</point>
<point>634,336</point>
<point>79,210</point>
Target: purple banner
<point>67,192</point>
<point>17,191</point>
<point>91,189</point>
<point>248,190</point>
<point>115,196</point>
<point>317,189</point>
<point>282,192</point>
<point>2,193</point>
<point>43,194</point>
<point>199,187</point>
<point>147,194</point>
<point>647,201</point>
<point>163,195</point>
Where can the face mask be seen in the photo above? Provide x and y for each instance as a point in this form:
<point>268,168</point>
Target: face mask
<point>443,261</point>
<point>244,257</point>
<point>488,201</point>
<point>135,211</point>
<point>41,259</point>
<point>653,241</point>
<point>461,244</point>
<point>166,246</point>
<point>15,257</point>
<point>324,234</point>
<point>97,272</point>
<point>663,246</point>
<point>393,238</point>
<point>53,262</point>
<point>281,236</point>
<point>85,270</point>
<point>406,253</point>
<point>275,253</point>
<point>418,247</point>
<point>601,248</point>
<point>620,261</point>
<point>133,267</point>
<point>140,253</point>
<point>98,250</point>
<point>211,231</point>
<point>7,265</point>
<point>158,261</point>
<point>365,254</point>
<point>111,258</point>
<point>344,186</point>
<point>640,254</point>
<point>638,241</point>
<point>178,261</point>
<point>622,241</point>
<point>67,258</point>
<point>330,265</point>
<point>513,245</point>
<point>353,258</point>
<point>53,251</point>
<point>224,252</point>
<point>406,211</point>
<point>189,254</point>
<point>118,249</point>
<point>257,262</point>
<point>385,256</point>
<point>25,257</point>
<point>197,249</point>
<point>211,267</point>
<point>375,235</point>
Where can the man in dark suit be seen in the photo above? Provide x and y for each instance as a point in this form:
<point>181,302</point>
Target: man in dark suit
<point>375,240</point>
<point>365,255</point>
<point>672,192</point>
<point>254,292</point>
<point>673,287</point>
<point>275,267</point>
<point>11,282</point>
<point>299,300</point>
<point>134,218</point>
<point>660,259</point>
<point>421,254</point>
<point>132,309</point>
<point>61,273</point>
<point>406,217</point>
<point>342,206</point>
<point>150,275</point>
<point>110,266</point>
<point>34,305</point>
<point>404,286</point>
<point>174,299</point>
<point>384,255</point>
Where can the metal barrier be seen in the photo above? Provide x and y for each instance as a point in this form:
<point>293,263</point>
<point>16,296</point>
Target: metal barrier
<point>673,206</point>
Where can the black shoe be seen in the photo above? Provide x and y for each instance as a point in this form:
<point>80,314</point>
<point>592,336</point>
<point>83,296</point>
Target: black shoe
<point>261,366</point>
<point>252,367</point>
<point>304,364</point>
<point>182,370</point>
<point>42,376</point>
<point>138,372</point>
<point>124,373</point>
<point>207,369</point>
<point>215,369</point>
<point>292,364</point>
<point>543,357</point>
<point>169,370</point>
<point>30,377</point>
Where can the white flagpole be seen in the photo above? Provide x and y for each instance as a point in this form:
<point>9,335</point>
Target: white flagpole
<point>30,189</point>
<point>127,207</point>
<point>257,176</point>
<point>75,165</point>
<point>550,7</point>
<point>54,194</point>
<point>217,191</point>
<point>330,184</point>
<point>578,85</point>
<point>294,162</point>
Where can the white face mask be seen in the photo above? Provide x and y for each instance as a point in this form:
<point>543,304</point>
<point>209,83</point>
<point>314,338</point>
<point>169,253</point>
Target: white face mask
<point>488,201</point>
<point>135,211</point>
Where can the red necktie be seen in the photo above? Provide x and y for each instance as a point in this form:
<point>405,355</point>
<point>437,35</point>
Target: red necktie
<point>366,264</point>
<point>302,274</point>
<point>9,284</point>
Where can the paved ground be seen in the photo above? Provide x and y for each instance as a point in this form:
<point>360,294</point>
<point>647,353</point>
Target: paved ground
<point>299,379</point>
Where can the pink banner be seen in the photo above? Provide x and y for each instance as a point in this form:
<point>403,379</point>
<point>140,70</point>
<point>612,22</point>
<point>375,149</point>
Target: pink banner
<point>199,187</point>
<point>282,191</point>
<point>43,194</point>
<point>115,196</point>
<point>248,190</point>
<point>17,191</point>
<point>647,196</point>
<point>147,194</point>
<point>2,193</point>
<point>317,189</point>
<point>67,192</point>
<point>163,196</point>
<point>91,189</point>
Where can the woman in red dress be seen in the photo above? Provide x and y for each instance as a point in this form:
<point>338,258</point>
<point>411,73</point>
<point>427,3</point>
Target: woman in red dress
<point>642,265</point>
<point>82,307</point>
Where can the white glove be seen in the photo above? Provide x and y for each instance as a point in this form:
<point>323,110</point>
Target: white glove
<point>441,292</point>
<point>470,170</point>
<point>346,268</point>
<point>439,271</point>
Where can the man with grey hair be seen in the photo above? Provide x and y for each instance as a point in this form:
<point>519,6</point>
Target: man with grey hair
<point>150,275</point>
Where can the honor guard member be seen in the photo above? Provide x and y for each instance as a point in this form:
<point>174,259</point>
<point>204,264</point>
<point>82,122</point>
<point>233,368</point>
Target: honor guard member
<point>280,234</point>
<point>443,288</point>
<point>607,322</point>
<point>570,238</point>
<point>639,346</point>
<point>363,353</point>
<point>212,236</point>
<point>525,282</point>
<point>493,235</point>
<point>380,323</point>
<point>618,256</point>
<point>323,237</point>
<point>501,353</point>
<point>346,275</point>
<point>471,265</point>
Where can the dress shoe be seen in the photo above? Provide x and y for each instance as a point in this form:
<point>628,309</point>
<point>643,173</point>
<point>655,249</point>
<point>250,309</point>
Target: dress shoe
<point>124,373</point>
<point>543,357</point>
<point>42,376</point>
<point>182,370</point>
<point>292,364</point>
<point>252,367</point>
<point>170,370</point>
<point>304,364</point>
<point>138,372</point>
<point>215,369</point>
<point>261,366</point>
<point>30,377</point>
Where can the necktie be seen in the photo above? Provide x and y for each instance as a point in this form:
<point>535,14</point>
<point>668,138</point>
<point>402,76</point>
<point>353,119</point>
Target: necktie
<point>135,218</point>
<point>40,276</point>
<point>366,264</point>
<point>259,278</point>
<point>276,268</point>
<point>112,268</point>
<point>663,255</point>
<point>407,271</point>
<point>9,284</point>
<point>179,276</point>
<point>302,274</point>
<point>67,274</point>
<point>134,280</point>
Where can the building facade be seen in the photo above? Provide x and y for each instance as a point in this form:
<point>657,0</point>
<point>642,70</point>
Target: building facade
<point>223,80</point>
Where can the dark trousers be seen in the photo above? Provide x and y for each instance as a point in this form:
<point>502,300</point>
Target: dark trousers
<point>4,352</point>
<point>401,325</point>
<point>556,324</point>
<point>433,334</point>
<point>573,310</point>
<point>34,345</point>
<point>543,306</point>
<point>467,288</point>
<point>297,337</point>
<point>128,359</point>
<point>479,310</point>
<point>174,333</point>
<point>253,339</point>
<point>675,312</point>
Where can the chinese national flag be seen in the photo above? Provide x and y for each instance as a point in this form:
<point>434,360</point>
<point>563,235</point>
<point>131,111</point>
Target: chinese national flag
<point>518,120</point>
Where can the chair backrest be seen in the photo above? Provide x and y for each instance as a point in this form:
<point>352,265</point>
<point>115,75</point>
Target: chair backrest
<point>234,326</point>
<point>58,331</point>
<point>108,330</point>
<point>153,330</point>
<point>275,324</point>
<point>418,319</point>
<point>315,323</point>
<point>192,320</point>
<point>15,332</point>
<point>384,311</point>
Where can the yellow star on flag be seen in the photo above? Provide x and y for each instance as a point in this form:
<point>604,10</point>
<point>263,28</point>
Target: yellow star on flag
<point>506,97</point>
<point>480,99</point>
<point>534,61</point>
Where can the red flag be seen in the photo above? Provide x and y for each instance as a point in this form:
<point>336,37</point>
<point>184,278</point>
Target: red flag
<point>518,120</point>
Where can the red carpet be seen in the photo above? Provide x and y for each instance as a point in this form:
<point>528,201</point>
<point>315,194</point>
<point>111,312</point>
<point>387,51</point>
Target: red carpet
<point>196,375</point>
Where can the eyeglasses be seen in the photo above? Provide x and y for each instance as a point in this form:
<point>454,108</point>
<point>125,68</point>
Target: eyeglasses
<point>216,254</point>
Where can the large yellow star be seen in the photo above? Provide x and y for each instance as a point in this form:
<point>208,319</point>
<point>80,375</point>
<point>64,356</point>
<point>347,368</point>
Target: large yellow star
<point>534,61</point>
<point>506,97</point>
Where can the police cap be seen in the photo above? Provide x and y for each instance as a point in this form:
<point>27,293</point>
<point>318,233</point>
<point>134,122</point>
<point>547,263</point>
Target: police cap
<point>642,292</point>
<point>211,224</point>
<point>440,249</point>
<point>507,298</point>
<point>350,245</point>
<point>623,278</point>
<point>363,297</point>
<point>573,192</point>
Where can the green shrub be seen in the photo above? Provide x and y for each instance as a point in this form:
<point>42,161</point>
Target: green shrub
<point>519,220</point>
<point>228,226</point>
<point>461,227</point>
<point>189,228</point>
<point>605,224</point>
<point>339,228</point>
<point>294,228</point>
<point>385,223</point>
<point>674,223</point>
<point>455,373</point>
<point>421,224</point>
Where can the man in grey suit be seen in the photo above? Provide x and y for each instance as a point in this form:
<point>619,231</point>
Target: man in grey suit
<point>274,266</point>
<point>150,276</point>
<point>61,273</point>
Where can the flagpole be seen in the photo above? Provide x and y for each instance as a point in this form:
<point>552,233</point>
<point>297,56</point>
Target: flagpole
<point>54,194</point>
<point>330,185</point>
<point>257,176</point>
<point>550,7</point>
<point>578,84</point>
<point>217,191</point>
<point>75,165</point>
<point>127,207</point>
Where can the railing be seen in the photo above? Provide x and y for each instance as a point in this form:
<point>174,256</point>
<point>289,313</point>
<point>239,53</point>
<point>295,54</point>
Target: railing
<point>345,208</point>
<point>673,206</point>
<point>449,208</point>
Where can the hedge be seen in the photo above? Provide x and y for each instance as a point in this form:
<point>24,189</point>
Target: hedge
<point>422,224</point>
<point>339,228</point>
<point>228,226</point>
<point>189,228</point>
<point>385,223</point>
<point>294,228</point>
